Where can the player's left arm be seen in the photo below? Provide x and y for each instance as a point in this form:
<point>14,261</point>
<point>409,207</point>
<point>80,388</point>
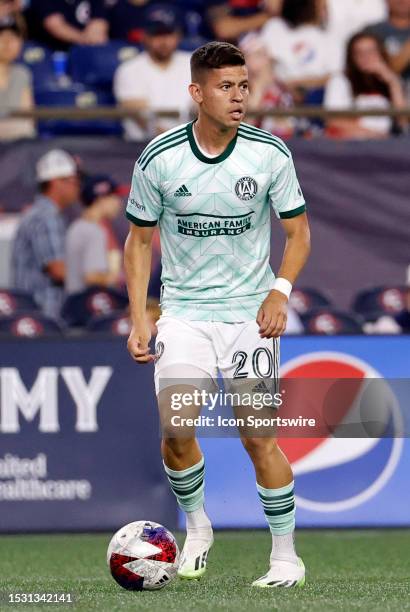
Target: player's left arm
<point>272,314</point>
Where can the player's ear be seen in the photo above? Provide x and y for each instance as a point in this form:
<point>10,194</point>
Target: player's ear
<point>196,92</point>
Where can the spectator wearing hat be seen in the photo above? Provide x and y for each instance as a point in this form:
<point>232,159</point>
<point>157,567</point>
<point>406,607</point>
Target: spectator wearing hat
<point>158,78</point>
<point>87,258</point>
<point>15,85</point>
<point>38,250</point>
<point>61,23</point>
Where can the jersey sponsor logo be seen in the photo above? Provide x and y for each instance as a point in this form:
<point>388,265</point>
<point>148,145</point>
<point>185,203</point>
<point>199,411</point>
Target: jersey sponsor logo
<point>246,188</point>
<point>136,204</point>
<point>201,225</point>
<point>182,192</point>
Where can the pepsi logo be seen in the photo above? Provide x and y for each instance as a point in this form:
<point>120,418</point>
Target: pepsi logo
<point>325,323</point>
<point>122,326</point>
<point>100,303</point>
<point>7,304</point>
<point>300,301</point>
<point>335,472</point>
<point>28,327</point>
<point>392,300</point>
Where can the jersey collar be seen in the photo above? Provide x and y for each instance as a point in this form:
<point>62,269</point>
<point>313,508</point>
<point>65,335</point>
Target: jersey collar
<point>209,160</point>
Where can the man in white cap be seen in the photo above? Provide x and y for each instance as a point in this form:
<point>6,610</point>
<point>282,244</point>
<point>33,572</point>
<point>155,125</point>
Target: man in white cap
<point>38,251</point>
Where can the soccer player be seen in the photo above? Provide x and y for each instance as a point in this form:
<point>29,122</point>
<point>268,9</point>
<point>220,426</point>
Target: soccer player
<point>209,185</point>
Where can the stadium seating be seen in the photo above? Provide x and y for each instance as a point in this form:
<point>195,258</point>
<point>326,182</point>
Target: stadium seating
<point>378,301</point>
<point>39,60</point>
<point>331,322</point>
<point>14,300</point>
<point>116,323</point>
<point>306,299</point>
<point>79,96</point>
<point>80,307</point>
<point>29,324</point>
<point>94,66</point>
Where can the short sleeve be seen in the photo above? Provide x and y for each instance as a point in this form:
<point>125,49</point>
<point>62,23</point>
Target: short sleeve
<point>22,76</point>
<point>285,194</point>
<point>268,36</point>
<point>47,240</point>
<point>144,205</point>
<point>95,252</point>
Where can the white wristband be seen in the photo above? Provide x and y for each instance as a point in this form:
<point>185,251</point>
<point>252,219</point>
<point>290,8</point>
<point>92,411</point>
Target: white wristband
<point>282,285</point>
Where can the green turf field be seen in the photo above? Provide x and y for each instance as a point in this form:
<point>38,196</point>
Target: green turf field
<point>347,570</point>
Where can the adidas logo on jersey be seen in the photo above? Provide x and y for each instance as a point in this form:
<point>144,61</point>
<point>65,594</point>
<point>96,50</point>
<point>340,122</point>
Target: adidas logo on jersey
<point>182,192</point>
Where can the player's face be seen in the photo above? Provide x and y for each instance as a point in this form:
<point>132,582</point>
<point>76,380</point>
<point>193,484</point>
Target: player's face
<point>223,95</point>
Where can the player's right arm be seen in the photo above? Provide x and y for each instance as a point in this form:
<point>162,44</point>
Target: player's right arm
<point>144,209</point>
<point>137,263</point>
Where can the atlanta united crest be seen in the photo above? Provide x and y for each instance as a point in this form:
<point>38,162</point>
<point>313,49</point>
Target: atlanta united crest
<point>246,188</point>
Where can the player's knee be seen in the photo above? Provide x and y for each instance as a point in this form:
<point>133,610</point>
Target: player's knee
<point>259,449</point>
<point>177,447</point>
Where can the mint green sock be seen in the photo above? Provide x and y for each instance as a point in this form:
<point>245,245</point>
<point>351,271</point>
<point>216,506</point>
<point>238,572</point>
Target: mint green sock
<point>188,485</point>
<point>279,508</point>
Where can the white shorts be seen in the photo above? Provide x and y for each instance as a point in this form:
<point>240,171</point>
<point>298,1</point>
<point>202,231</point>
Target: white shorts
<point>198,349</point>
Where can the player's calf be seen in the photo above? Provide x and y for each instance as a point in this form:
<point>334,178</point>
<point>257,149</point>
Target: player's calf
<point>276,494</point>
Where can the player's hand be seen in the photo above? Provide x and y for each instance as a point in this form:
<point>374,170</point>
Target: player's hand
<point>272,315</point>
<point>138,342</point>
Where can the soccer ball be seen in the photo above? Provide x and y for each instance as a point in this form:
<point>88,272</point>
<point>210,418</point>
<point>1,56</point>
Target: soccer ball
<point>143,556</point>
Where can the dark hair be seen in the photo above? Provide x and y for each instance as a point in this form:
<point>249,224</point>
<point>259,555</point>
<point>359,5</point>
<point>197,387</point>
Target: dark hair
<point>298,12</point>
<point>361,82</point>
<point>215,55</point>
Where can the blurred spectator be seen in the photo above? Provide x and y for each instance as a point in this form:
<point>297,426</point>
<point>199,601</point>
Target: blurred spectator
<point>347,17</point>
<point>395,33</point>
<point>156,79</point>
<point>403,319</point>
<point>368,82</point>
<point>126,18</point>
<point>11,14</point>
<point>61,23</point>
<point>231,19</point>
<point>300,49</point>
<point>87,260</point>
<point>265,91</point>
<point>38,250</point>
<point>15,86</point>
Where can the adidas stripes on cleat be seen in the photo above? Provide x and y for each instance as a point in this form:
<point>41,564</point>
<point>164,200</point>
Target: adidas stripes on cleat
<point>283,574</point>
<point>194,554</point>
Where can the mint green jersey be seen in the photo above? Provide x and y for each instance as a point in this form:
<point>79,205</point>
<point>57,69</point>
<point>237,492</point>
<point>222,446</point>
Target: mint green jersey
<point>214,219</point>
